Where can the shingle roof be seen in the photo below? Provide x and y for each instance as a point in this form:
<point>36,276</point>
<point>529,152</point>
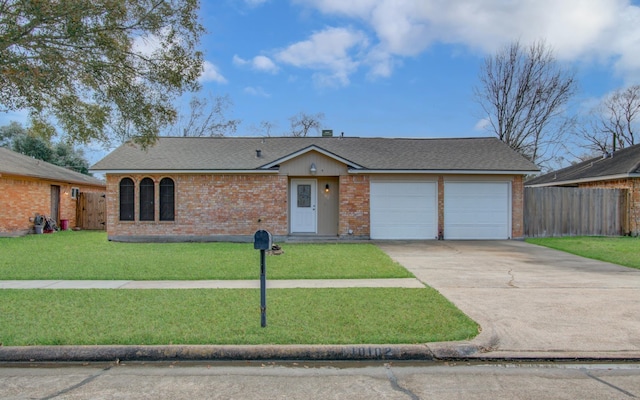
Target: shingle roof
<point>12,163</point>
<point>625,162</point>
<point>239,153</point>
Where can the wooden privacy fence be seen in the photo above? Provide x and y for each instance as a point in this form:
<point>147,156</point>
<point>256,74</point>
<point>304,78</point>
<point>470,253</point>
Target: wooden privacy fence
<point>91,211</point>
<point>568,211</point>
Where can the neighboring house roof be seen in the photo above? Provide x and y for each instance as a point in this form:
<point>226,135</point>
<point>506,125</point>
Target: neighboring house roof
<point>220,154</point>
<point>623,163</point>
<point>12,163</point>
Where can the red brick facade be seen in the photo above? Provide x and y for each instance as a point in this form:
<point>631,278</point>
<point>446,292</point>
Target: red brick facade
<point>236,205</point>
<point>517,207</point>
<point>354,206</point>
<point>206,205</point>
<point>21,198</point>
<point>633,187</point>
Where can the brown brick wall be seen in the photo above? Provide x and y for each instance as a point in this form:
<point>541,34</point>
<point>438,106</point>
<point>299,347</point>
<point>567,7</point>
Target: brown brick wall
<point>354,206</point>
<point>210,205</point>
<point>21,198</point>
<point>207,205</point>
<point>633,186</point>
<point>517,207</point>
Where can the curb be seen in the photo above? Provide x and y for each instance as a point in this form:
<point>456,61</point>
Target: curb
<point>215,353</point>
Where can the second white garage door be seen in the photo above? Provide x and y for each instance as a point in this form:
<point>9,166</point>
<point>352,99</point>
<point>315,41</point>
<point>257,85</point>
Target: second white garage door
<point>404,210</point>
<point>477,210</point>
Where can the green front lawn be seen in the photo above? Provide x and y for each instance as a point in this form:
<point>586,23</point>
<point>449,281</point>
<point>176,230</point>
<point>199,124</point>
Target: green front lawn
<point>618,250</point>
<point>89,255</point>
<point>218,316</point>
<point>294,316</point>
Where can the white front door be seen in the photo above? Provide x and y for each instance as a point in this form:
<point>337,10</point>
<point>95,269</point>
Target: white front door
<point>303,206</point>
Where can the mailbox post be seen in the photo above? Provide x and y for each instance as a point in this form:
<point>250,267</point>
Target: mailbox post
<point>262,241</point>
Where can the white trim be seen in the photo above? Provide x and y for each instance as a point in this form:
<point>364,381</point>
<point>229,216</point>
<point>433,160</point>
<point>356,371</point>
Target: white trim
<point>438,171</point>
<point>586,180</point>
<point>186,171</point>
<point>307,150</point>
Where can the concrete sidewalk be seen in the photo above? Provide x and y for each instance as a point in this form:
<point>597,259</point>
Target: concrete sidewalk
<point>213,284</point>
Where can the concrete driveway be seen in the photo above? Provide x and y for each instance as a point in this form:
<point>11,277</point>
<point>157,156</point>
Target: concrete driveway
<point>529,300</point>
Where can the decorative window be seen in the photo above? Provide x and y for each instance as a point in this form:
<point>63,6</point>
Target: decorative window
<point>126,199</point>
<point>304,195</point>
<point>147,200</point>
<point>75,192</point>
<point>167,202</point>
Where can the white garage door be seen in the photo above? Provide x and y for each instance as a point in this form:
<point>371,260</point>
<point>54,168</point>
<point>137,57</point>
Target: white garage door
<point>477,210</point>
<point>404,210</point>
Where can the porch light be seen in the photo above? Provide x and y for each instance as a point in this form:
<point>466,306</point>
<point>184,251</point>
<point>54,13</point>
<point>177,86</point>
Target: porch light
<point>326,188</point>
<point>313,169</point>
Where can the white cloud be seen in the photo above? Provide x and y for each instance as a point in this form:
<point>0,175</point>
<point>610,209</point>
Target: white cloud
<point>263,63</point>
<point>210,73</point>
<point>258,63</point>
<point>602,30</point>
<point>256,91</point>
<point>237,60</point>
<point>482,124</point>
<point>327,51</point>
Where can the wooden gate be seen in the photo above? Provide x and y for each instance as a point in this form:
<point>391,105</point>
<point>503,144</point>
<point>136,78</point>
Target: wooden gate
<point>569,211</point>
<point>91,211</point>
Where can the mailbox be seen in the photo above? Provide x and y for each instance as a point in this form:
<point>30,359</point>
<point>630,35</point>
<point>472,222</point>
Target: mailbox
<point>262,240</point>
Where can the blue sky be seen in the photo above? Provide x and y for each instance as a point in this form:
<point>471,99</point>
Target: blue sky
<point>398,68</point>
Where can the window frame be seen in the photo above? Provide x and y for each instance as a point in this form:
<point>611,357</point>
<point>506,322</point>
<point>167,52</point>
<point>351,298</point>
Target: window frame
<point>165,201</point>
<point>147,201</point>
<point>131,204</point>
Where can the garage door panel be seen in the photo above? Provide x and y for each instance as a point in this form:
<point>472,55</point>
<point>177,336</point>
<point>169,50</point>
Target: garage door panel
<point>403,210</point>
<point>475,210</point>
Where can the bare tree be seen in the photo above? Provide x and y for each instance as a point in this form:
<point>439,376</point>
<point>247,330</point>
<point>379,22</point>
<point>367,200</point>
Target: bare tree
<point>615,123</point>
<point>523,93</point>
<point>207,117</point>
<point>302,123</point>
<point>265,128</point>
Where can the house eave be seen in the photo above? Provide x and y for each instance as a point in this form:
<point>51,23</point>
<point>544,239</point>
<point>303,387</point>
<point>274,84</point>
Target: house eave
<point>439,171</point>
<point>585,180</point>
<point>186,171</point>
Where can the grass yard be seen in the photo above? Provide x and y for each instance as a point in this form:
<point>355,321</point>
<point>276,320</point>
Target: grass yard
<point>218,316</point>
<point>618,250</point>
<point>89,255</point>
<point>294,316</point>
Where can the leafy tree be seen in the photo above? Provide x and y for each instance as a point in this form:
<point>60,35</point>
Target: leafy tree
<point>99,68</point>
<point>28,142</point>
<point>615,122</point>
<point>523,93</point>
<point>9,132</point>
<point>207,117</point>
<point>302,123</point>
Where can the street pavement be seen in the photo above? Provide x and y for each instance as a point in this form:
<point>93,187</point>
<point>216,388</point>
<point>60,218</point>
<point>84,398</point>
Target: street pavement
<point>317,381</point>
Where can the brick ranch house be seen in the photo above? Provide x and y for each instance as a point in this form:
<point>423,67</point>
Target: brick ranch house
<point>29,186</point>
<point>618,170</point>
<point>226,188</point>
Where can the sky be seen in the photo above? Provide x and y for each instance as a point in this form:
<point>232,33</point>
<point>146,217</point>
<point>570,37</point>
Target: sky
<point>397,68</point>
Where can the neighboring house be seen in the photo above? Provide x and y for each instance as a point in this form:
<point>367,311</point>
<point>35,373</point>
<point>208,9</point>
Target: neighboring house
<point>29,186</point>
<point>618,170</point>
<point>226,188</point>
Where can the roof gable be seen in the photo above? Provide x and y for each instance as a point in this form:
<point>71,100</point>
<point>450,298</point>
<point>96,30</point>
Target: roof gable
<point>240,154</point>
<point>306,151</point>
<point>12,163</point>
<point>622,163</point>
